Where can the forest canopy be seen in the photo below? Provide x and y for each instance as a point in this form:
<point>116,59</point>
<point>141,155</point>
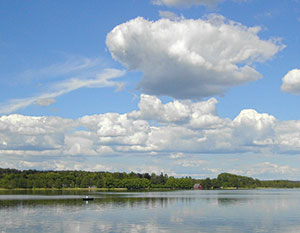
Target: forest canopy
<point>32,179</point>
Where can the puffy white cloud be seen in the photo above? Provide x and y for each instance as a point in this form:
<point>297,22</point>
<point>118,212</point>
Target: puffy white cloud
<point>288,136</point>
<point>20,132</point>
<point>116,129</point>
<point>76,145</point>
<point>190,58</point>
<point>291,82</point>
<point>186,3</point>
<point>29,125</point>
<point>257,129</point>
<point>177,132</point>
<point>183,126</point>
<point>151,108</point>
<point>112,132</point>
<point>197,115</point>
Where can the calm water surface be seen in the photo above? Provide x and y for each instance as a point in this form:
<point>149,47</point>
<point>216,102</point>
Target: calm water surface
<point>178,211</point>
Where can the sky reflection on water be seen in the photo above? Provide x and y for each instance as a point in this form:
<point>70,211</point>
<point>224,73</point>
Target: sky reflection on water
<point>180,211</point>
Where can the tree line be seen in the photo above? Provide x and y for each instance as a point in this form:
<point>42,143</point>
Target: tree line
<point>30,179</point>
<point>12,178</point>
<point>227,180</point>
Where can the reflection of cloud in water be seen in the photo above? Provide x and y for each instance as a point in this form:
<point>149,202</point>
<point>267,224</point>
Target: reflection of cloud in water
<point>215,211</point>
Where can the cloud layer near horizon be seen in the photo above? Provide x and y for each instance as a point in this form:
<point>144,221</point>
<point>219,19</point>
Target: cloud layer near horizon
<point>176,128</point>
<point>190,58</point>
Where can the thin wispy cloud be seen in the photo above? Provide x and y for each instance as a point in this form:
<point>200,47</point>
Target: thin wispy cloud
<point>45,101</point>
<point>169,15</point>
<point>96,79</point>
<point>185,3</point>
<point>71,64</point>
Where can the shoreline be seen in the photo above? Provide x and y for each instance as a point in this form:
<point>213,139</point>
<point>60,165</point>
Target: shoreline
<point>65,189</point>
<point>125,189</point>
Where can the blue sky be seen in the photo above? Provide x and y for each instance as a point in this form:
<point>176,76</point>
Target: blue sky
<point>186,87</point>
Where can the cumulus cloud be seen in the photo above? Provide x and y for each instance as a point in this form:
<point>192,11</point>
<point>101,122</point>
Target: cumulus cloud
<point>175,128</point>
<point>288,136</point>
<point>190,58</point>
<point>291,82</point>
<point>196,114</point>
<point>27,133</point>
<point>257,129</point>
<point>182,134</point>
<point>185,3</point>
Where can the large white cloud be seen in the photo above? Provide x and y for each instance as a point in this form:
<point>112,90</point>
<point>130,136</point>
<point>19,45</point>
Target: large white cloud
<point>190,58</point>
<point>18,132</point>
<point>257,129</point>
<point>291,82</point>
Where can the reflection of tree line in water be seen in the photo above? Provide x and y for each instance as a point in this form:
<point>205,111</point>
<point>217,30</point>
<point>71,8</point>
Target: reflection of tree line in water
<point>49,192</point>
<point>232,201</point>
<point>102,202</point>
<point>131,202</point>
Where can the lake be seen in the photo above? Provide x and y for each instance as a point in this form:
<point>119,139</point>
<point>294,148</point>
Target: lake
<point>177,211</point>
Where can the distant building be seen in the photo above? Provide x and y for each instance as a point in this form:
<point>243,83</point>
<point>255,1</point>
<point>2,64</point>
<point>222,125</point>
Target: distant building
<point>198,186</point>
